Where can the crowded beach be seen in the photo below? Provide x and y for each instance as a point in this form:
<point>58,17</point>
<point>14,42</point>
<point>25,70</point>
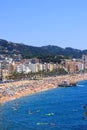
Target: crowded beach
<point>15,89</point>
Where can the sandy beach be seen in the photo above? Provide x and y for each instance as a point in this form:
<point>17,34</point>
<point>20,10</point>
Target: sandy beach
<point>13,90</point>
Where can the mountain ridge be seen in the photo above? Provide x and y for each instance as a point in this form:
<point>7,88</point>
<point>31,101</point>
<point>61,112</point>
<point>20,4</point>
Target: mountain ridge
<point>11,48</point>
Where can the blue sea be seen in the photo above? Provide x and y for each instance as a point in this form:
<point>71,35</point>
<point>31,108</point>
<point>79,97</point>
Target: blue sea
<point>55,109</point>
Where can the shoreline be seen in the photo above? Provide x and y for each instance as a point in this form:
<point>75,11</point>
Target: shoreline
<point>13,90</point>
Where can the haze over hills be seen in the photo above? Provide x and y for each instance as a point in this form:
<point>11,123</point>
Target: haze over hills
<point>10,48</point>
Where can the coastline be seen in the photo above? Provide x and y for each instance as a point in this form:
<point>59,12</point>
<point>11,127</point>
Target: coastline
<point>17,89</point>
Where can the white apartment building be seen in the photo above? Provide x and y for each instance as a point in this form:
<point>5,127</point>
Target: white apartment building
<point>41,67</point>
<point>19,68</point>
<point>23,68</point>
<point>34,67</point>
<point>26,69</point>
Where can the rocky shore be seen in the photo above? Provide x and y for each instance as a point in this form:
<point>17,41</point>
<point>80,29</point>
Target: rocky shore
<point>12,90</point>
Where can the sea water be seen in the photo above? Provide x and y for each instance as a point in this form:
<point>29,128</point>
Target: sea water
<point>55,109</point>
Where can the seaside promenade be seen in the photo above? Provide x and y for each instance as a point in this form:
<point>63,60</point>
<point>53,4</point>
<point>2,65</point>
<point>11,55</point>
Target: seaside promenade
<point>13,90</point>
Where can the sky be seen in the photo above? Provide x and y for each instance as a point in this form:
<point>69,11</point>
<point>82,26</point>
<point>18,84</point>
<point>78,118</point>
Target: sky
<point>44,22</point>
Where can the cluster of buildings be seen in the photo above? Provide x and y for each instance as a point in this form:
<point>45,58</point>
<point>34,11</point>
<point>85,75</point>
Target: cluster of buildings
<point>8,66</point>
<point>73,66</point>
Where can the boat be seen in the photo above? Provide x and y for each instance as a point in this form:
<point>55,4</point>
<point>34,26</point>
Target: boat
<point>66,84</point>
<point>73,84</point>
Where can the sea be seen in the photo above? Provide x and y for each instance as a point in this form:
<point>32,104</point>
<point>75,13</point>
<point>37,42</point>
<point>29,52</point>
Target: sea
<point>62,108</point>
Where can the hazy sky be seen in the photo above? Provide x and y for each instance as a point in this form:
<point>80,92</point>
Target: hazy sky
<point>43,22</point>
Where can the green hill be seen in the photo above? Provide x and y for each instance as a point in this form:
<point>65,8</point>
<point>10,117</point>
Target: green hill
<point>10,48</point>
